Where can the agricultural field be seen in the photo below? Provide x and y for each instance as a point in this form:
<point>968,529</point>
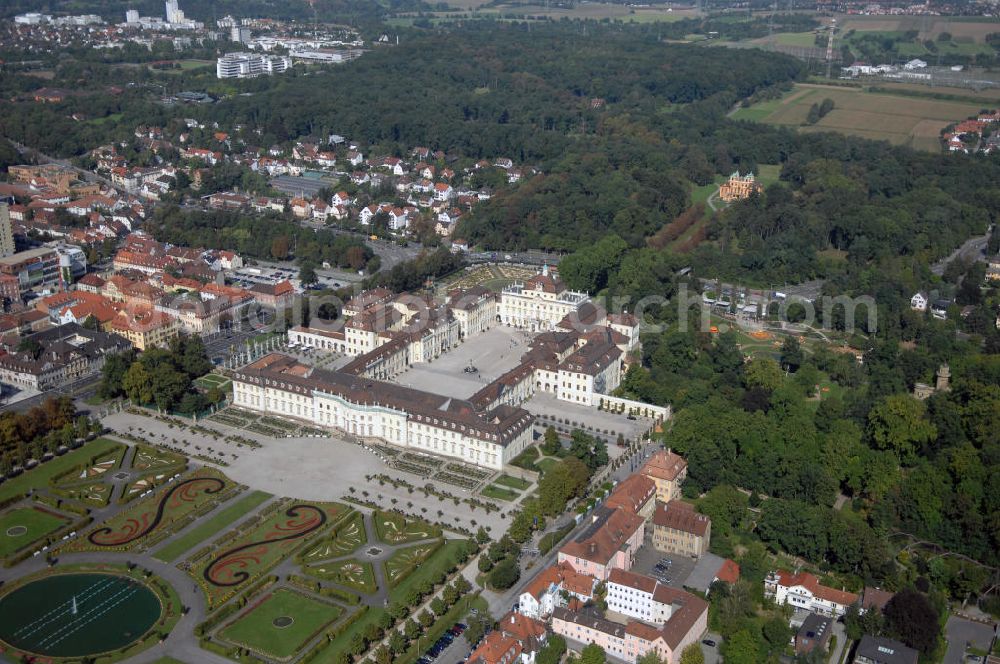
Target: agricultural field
<point>248,554</point>
<point>899,120</point>
<point>394,529</point>
<point>156,514</point>
<point>23,526</point>
<point>928,27</point>
<point>281,624</point>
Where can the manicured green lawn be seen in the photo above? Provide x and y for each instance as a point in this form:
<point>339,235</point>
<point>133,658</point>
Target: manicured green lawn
<point>394,529</point>
<point>40,476</point>
<point>211,527</point>
<point>546,464</point>
<point>349,573</point>
<point>348,537</point>
<point>499,493</point>
<point>257,629</point>
<point>513,482</point>
<point>22,526</point>
<point>404,561</point>
<point>440,562</point>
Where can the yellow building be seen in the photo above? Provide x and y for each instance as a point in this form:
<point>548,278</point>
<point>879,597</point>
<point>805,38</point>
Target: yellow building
<point>668,471</point>
<point>677,528</point>
<point>146,328</point>
<point>738,187</point>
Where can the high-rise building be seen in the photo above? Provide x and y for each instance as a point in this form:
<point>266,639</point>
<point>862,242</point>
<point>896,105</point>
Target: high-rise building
<point>174,13</point>
<point>239,34</point>
<point>6,233</point>
<point>132,16</point>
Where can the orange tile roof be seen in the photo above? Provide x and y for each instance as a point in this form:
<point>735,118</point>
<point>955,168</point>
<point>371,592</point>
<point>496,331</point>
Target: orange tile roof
<point>729,572</point>
<point>600,544</point>
<point>811,583</point>
<point>496,649</point>
<point>561,574</point>
<point>521,627</point>
<point>664,465</point>
<point>632,493</point>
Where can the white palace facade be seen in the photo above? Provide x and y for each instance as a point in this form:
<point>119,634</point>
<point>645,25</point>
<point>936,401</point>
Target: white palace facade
<point>370,409</point>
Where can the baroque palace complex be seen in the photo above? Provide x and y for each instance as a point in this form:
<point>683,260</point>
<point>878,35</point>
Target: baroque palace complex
<point>578,354</point>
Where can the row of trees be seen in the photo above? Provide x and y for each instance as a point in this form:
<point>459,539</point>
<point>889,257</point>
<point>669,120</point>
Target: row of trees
<point>269,237</point>
<point>39,431</point>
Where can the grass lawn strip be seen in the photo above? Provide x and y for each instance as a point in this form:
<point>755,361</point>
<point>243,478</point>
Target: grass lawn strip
<point>25,525</point>
<point>211,527</point>
<point>499,493</point>
<point>245,555</point>
<point>39,477</point>
<point>513,482</point>
<point>402,563</point>
<point>155,514</point>
<point>443,559</point>
<point>260,630</point>
<point>155,459</point>
<point>349,573</point>
<point>394,529</point>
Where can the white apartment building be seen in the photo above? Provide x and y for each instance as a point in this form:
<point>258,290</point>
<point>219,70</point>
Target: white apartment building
<point>398,415</point>
<point>250,65</point>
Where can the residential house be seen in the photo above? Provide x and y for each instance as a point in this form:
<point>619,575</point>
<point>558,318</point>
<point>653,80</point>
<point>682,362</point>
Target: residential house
<point>918,302</point>
<point>804,591</point>
<point>545,592</point>
<point>814,634</point>
<point>881,650</point>
<point>635,494</point>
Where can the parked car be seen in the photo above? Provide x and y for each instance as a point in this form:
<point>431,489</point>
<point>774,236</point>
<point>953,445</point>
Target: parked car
<point>709,642</point>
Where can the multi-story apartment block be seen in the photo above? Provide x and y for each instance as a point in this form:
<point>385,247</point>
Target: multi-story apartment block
<point>6,232</point>
<point>679,529</point>
<point>609,542</point>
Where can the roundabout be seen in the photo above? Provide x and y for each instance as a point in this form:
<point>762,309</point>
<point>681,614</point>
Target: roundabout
<point>77,614</point>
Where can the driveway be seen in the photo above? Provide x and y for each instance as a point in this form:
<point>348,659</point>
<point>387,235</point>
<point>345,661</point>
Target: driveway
<point>712,655</point>
<point>961,632</point>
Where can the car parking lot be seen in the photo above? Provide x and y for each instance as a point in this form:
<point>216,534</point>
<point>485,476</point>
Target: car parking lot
<point>449,649</point>
<point>669,569</point>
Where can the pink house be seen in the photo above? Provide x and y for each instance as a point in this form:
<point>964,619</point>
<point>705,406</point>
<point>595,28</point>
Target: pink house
<point>610,542</point>
<point>685,620</point>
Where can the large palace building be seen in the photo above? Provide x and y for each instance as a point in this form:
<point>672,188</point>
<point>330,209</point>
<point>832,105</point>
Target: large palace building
<point>368,408</point>
<point>738,187</point>
<point>540,303</point>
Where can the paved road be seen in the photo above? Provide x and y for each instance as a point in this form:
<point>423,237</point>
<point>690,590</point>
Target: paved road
<point>960,632</point>
<point>971,249</point>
